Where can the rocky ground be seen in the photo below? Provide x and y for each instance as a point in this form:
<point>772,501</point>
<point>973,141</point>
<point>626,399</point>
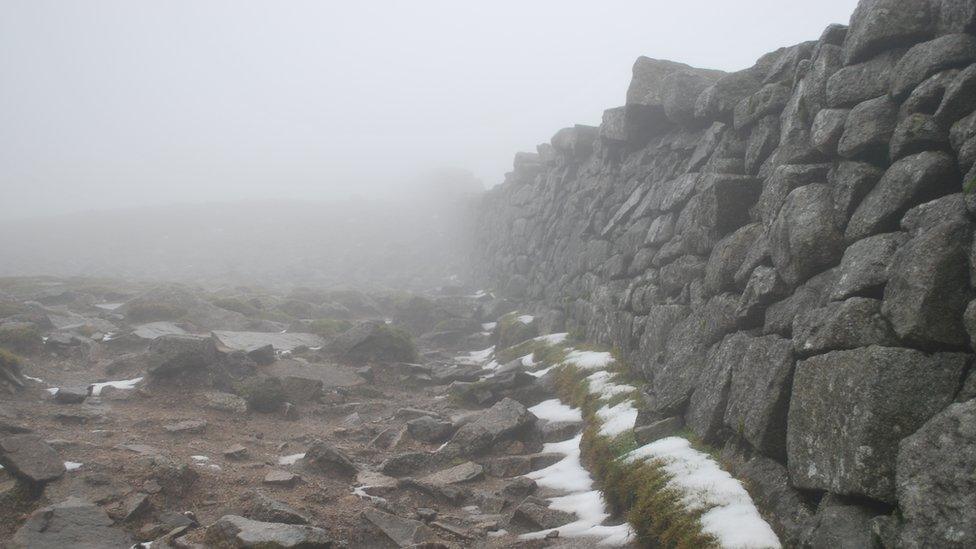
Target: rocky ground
<point>244,419</point>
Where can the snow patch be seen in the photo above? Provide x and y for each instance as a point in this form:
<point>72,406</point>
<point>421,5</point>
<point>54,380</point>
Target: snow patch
<point>589,360</point>
<point>600,384</point>
<point>553,339</point>
<point>489,326</point>
<point>200,458</point>
<point>72,465</point>
<point>96,388</point>
<point>730,515</point>
<point>554,410</point>
<point>290,460</point>
<point>476,357</point>
<point>617,419</point>
<point>37,379</point>
<point>525,319</point>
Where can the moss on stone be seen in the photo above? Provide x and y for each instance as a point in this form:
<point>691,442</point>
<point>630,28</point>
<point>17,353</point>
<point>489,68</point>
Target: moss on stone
<point>328,327</point>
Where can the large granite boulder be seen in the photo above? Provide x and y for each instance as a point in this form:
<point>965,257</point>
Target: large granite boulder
<point>374,341</point>
<point>805,237</point>
<point>507,418</point>
<point>850,409</point>
<point>928,58</point>
<point>877,25</point>
<point>29,458</point>
<point>936,485</point>
<point>175,353</point>
<point>864,267</point>
<point>928,287</point>
<point>72,523</point>
<point>855,322</point>
<point>868,130</point>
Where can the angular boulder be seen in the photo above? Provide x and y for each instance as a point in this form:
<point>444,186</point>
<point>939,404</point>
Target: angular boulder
<point>173,353</point>
<point>850,409</point>
<point>71,523</point>
<point>936,486</point>
<point>239,532</point>
<point>805,237</point>
<point>29,458</point>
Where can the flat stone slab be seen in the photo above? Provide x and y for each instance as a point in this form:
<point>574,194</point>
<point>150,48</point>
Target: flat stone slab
<point>250,341</point>
<point>235,531</point>
<point>31,458</point>
<point>71,523</point>
<point>331,375</point>
<point>455,475</point>
<point>153,330</point>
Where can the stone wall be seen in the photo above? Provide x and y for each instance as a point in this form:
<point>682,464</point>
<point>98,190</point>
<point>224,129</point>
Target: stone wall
<point>784,255</point>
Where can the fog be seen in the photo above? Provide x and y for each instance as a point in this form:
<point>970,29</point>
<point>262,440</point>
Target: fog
<point>113,105</point>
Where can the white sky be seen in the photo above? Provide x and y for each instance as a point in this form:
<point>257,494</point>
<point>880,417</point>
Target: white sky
<point>118,103</point>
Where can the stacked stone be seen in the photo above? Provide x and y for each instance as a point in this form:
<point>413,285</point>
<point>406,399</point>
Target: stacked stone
<point>785,255</point>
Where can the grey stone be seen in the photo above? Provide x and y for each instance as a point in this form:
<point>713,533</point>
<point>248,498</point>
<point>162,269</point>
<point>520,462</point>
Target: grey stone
<point>928,287</point>
<point>428,429</point>
<point>277,477</point>
<point>405,464</point>
<point>868,129</point>
<point>759,394</point>
<point>72,523</point>
<point>464,472</point>
<point>326,458</point>
<point>805,238</point>
<point>850,409</point>
<point>864,267</point>
<point>706,409</point>
<point>189,426</point>
<point>959,98</point>
<point>764,288</point>
<point>661,230</point>
<point>172,353</point>
<point>947,209</point>
<point>917,133</point>
<point>840,526</point>
<point>266,509</point>
<point>862,81</point>
<point>576,141</point>
<point>783,505</point>
<point>403,532</point>
<point>29,458</point>
<point>928,58</point>
<point>855,322</point>
<point>763,140</point>
<point>909,181</point>
<point>538,515</point>
<point>71,395</point>
<point>718,101</point>
<point>877,25</point>
<point>770,99</point>
<point>850,183</point>
<point>784,180</point>
<point>927,97</point>
<point>828,126</point>
<point>936,486</point>
<point>646,434</point>
<point>727,257</point>
<point>239,532</point>
<point>506,418</point>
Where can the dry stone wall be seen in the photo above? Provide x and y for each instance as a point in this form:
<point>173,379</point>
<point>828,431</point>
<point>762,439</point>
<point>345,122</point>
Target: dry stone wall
<point>784,254</point>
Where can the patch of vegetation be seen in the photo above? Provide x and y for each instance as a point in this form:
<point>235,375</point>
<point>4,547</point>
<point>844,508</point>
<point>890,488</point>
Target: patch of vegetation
<point>639,490</point>
<point>20,336</point>
<point>10,360</point>
<point>511,332</point>
<point>151,311</point>
<point>11,308</point>
<point>328,327</point>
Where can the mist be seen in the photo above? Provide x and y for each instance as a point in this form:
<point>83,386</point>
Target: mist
<point>111,104</point>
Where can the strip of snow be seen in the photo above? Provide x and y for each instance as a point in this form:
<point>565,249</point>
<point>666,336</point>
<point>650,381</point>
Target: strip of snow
<point>489,326</point>
<point>200,458</point>
<point>525,319</point>
<point>37,379</point>
<point>600,384</point>
<point>553,339</point>
<point>72,465</point>
<point>554,410</point>
<point>527,360</point>
<point>730,515</point>
<point>476,357</point>
<point>361,492</point>
<point>617,419</point>
<point>52,390</point>
<point>96,388</point>
<point>589,360</point>
<point>109,306</point>
<point>290,460</point>
<point>566,474</point>
<point>540,373</point>
<point>587,504</point>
